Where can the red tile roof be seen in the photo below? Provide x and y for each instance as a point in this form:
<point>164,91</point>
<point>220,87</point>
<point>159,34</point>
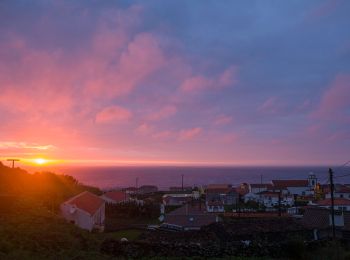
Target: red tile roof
<point>117,196</point>
<point>219,188</point>
<point>87,201</point>
<point>342,189</point>
<point>290,183</point>
<point>337,202</point>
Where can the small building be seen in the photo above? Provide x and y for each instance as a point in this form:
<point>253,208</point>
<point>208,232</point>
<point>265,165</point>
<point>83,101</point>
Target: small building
<point>250,196</point>
<point>145,189</point>
<point>189,217</point>
<point>116,197</point>
<point>340,191</point>
<point>319,220</point>
<point>221,192</point>
<point>180,189</point>
<point>86,210</point>
<point>269,198</point>
<point>131,190</point>
<point>293,187</point>
<point>176,199</point>
<point>259,187</point>
<point>339,204</point>
<point>215,206</point>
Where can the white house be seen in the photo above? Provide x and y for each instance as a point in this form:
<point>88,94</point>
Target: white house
<point>270,199</point>
<point>86,210</point>
<point>296,187</point>
<point>259,187</point>
<point>251,197</point>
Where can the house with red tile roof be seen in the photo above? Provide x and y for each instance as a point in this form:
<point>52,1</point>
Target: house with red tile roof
<point>339,204</point>
<point>115,197</point>
<point>340,191</point>
<point>86,210</point>
<point>293,187</point>
<point>224,193</point>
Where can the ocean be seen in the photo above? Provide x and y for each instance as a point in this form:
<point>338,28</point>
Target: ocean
<point>166,176</point>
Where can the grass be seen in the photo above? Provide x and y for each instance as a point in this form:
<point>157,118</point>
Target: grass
<point>130,234</point>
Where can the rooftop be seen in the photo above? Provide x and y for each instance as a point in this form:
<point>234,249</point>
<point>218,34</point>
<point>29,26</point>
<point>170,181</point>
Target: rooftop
<point>86,201</point>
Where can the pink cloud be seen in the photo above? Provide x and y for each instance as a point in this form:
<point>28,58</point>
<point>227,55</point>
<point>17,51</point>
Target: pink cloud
<point>223,120</point>
<point>275,106</point>
<point>163,113</point>
<point>144,129</point>
<point>334,103</point>
<point>113,114</point>
<point>189,134</point>
<point>163,135</point>
<point>324,9</point>
<point>199,82</point>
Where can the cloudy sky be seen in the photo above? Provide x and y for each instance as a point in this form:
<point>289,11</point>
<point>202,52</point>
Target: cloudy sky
<point>176,82</point>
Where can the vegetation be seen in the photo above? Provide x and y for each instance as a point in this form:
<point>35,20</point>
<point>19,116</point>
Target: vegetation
<point>45,188</point>
<point>129,215</point>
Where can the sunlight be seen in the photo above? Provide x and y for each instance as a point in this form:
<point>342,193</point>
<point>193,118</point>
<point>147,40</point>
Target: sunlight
<point>40,161</point>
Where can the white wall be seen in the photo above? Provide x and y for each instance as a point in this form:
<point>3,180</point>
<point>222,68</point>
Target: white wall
<point>81,218</point>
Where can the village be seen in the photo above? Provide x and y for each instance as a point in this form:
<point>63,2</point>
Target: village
<point>187,208</point>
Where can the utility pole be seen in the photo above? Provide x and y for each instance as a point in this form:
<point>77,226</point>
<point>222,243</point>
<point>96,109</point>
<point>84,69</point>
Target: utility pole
<point>330,171</point>
<point>13,162</point>
<point>182,182</point>
<point>279,204</point>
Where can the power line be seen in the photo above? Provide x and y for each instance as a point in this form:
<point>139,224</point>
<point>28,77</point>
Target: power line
<point>341,176</point>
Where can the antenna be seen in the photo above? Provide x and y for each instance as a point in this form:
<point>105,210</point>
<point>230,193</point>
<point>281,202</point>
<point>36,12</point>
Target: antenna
<point>13,162</point>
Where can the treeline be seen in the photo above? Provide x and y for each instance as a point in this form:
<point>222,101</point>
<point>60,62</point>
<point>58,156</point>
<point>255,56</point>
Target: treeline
<point>46,188</point>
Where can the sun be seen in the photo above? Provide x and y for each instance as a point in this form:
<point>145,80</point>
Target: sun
<point>40,161</point>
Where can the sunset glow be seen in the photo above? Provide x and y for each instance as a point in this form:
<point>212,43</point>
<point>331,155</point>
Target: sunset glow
<point>40,161</point>
<point>122,81</point>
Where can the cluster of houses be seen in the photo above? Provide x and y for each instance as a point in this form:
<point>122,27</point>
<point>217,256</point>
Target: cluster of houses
<point>87,210</point>
<point>200,206</point>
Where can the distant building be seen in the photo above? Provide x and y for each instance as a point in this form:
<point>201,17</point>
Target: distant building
<point>319,220</point>
<point>339,204</point>
<point>259,187</point>
<point>294,187</point>
<point>189,217</point>
<point>131,190</point>
<point>115,197</point>
<point>180,189</point>
<point>86,210</point>
<point>176,199</point>
<point>145,189</point>
<point>224,193</point>
<point>215,206</point>
<point>270,199</point>
<point>340,191</point>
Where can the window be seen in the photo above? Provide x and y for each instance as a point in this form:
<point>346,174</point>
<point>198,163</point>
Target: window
<point>341,196</point>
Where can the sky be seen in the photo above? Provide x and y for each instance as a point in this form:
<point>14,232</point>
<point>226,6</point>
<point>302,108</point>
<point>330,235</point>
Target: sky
<point>175,82</point>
